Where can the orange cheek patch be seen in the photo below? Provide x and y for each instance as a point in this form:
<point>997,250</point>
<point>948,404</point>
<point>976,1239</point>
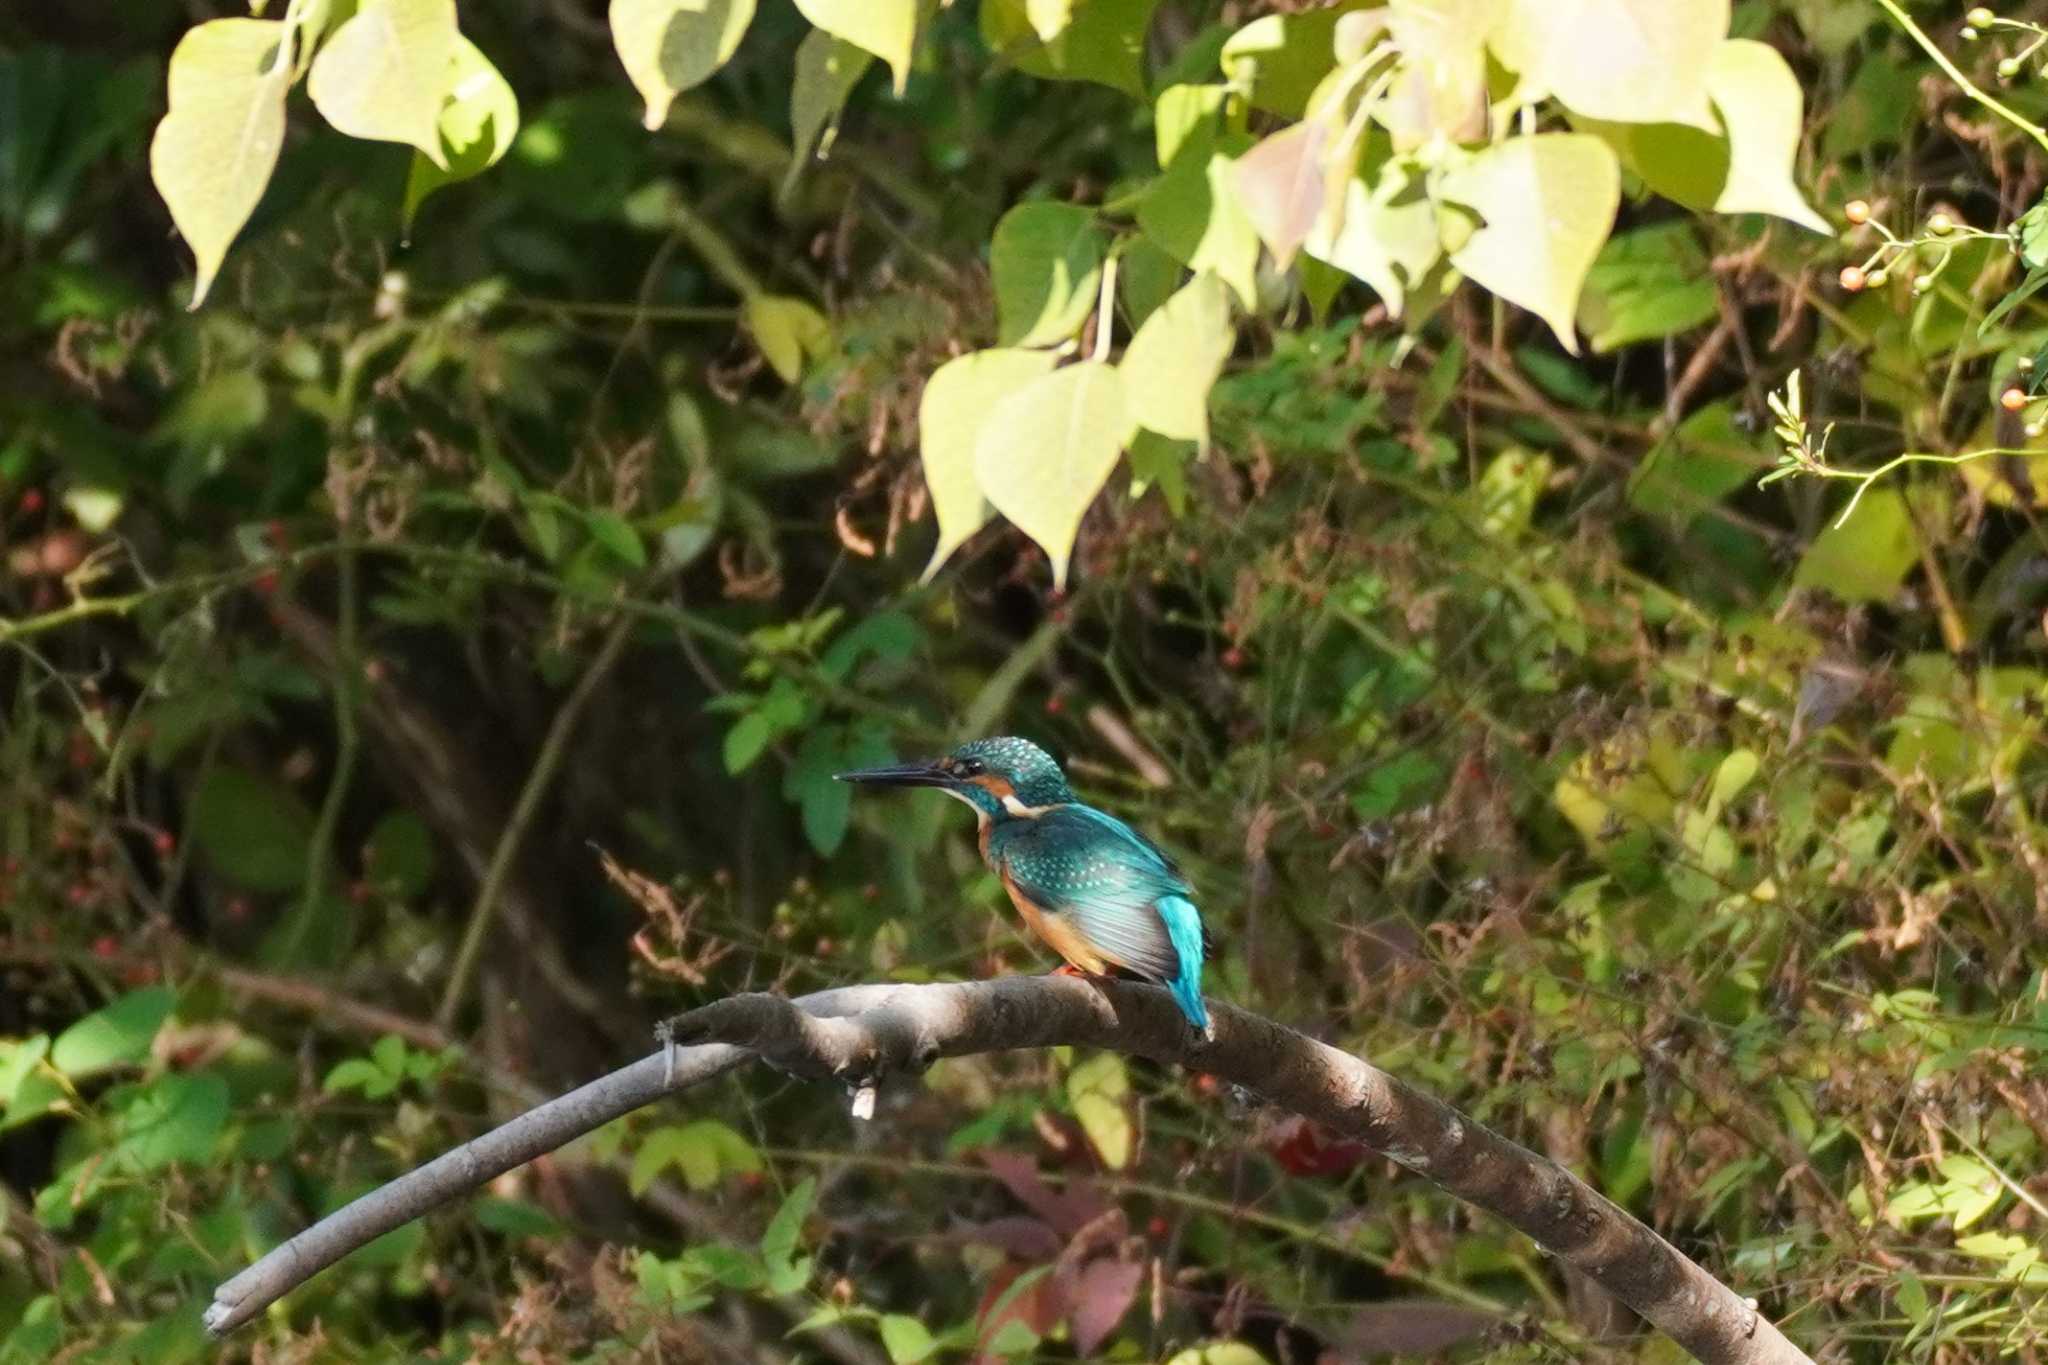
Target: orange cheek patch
<point>998,787</point>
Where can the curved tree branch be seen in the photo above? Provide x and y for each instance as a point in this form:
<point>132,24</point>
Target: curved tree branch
<point>859,1034</point>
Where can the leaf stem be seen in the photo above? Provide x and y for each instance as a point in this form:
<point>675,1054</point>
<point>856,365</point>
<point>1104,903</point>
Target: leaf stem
<point>1955,73</point>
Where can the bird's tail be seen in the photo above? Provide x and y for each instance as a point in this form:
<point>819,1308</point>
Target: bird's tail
<point>1184,927</point>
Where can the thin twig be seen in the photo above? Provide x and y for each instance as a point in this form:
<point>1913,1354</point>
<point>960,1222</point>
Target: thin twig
<point>552,750</point>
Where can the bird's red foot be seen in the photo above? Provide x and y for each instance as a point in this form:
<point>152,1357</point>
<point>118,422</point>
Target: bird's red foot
<point>1068,969</point>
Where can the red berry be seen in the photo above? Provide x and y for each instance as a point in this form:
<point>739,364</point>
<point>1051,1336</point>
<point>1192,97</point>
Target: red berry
<point>1157,1228</point>
<point>105,947</point>
<point>32,502</point>
<point>1054,705</point>
<point>1233,657</point>
<point>1853,278</point>
<point>139,974</point>
<point>166,843</point>
<point>266,583</point>
<point>275,533</point>
<point>238,909</point>
<point>1856,211</point>
<point>2012,400</point>
<point>78,893</point>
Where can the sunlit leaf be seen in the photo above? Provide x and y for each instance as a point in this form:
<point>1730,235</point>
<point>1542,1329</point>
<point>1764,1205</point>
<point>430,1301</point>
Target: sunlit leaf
<point>1279,184</point>
<point>1761,104</point>
<point>1048,448</point>
<point>1633,61</point>
<point>1547,203</point>
<point>1097,1090</point>
<point>384,73</point>
<point>887,28</point>
<point>1184,112</point>
<point>906,1339</point>
<point>669,46</point>
<point>1441,90</point>
<point>1174,359</point>
<point>478,123</point>
<point>1047,261</point>
<point>214,151</point>
<point>957,402</point>
<point>1387,237</point>
<point>1192,211</point>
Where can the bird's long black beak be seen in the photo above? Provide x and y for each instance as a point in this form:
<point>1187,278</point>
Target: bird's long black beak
<point>900,775</point>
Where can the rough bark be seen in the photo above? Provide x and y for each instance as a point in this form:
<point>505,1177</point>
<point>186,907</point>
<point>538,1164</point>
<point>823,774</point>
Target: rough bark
<point>859,1035</point>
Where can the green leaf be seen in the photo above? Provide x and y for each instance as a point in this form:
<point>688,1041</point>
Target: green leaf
<point>669,46</point>
<point>478,122</point>
<point>827,69</point>
<point>358,1073</point>
<point>1632,61</point>
<point>1761,104</point>
<point>1048,448</point>
<point>174,1118</point>
<point>906,1339</point>
<point>252,830</point>
<point>887,28</point>
<point>1161,461</point>
<point>1706,458</point>
<point>1146,277</point>
<point>1646,285</point>
<point>17,1060</point>
<point>215,149</point>
<point>785,1230</point>
<point>117,1035</point>
<point>700,1150</point>
<point>957,402</point>
<point>1192,211</point>
<point>1174,359</point>
<point>1185,116</point>
<point>1046,260</point>
<point>1547,202</point>
<point>1279,59</point>
<point>516,1218</point>
<point>1866,557</point>
<point>786,329</point>
<point>399,856</point>
<point>383,74</point>
<point>826,803</point>
<point>612,531</point>
<point>1878,107</point>
<point>1074,40</point>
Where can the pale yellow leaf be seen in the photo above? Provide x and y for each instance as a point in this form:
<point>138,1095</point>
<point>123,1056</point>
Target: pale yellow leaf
<point>1047,450</point>
<point>669,46</point>
<point>1760,103</point>
<point>214,151</point>
<point>887,28</point>
<point>1546,205</point>
<point>1174,359</point>
<point>1279,184</point>
<point>1441,91</point>
<point>1049,18</point>
<point>957,402</point>
<point>478,122</point>
<point>1633,61</point>
<point>384,73</point>
<point>1183,112</point>
<point>786,330</point>
<point>1386,236</point>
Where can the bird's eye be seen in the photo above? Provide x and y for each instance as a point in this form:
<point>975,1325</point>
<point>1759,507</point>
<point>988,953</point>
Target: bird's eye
<point>972,767</point>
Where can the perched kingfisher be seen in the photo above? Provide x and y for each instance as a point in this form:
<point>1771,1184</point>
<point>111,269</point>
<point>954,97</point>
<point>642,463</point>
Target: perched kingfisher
<point>1101,894</point>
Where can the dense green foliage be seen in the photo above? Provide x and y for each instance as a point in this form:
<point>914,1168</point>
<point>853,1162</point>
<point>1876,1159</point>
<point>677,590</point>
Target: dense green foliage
<point>424,665</point>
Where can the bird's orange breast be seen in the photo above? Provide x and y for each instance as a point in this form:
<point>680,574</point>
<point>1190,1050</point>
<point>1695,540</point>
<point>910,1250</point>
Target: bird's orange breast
<point>1057,931</point>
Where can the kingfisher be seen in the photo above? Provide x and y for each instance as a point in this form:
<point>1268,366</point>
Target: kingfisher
<point>1100,894</point>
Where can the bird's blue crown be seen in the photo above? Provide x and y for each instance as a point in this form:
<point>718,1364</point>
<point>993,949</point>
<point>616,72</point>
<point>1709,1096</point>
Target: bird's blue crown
<point>1033,772</point>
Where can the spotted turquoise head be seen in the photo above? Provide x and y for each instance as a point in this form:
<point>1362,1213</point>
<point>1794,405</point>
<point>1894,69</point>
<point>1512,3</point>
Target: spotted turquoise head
<point>1000,778</point>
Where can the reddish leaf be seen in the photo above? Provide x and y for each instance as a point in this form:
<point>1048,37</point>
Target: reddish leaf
<point>1304,1148</point>
<point>1098,1297</point>
<point>1068,1212</point>
<point>1027,1239</point>
<point>1280,184</point>
<point>1033,1306</point>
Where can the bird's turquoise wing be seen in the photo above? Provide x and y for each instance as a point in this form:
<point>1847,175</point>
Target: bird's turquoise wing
<point>1106,881</point>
